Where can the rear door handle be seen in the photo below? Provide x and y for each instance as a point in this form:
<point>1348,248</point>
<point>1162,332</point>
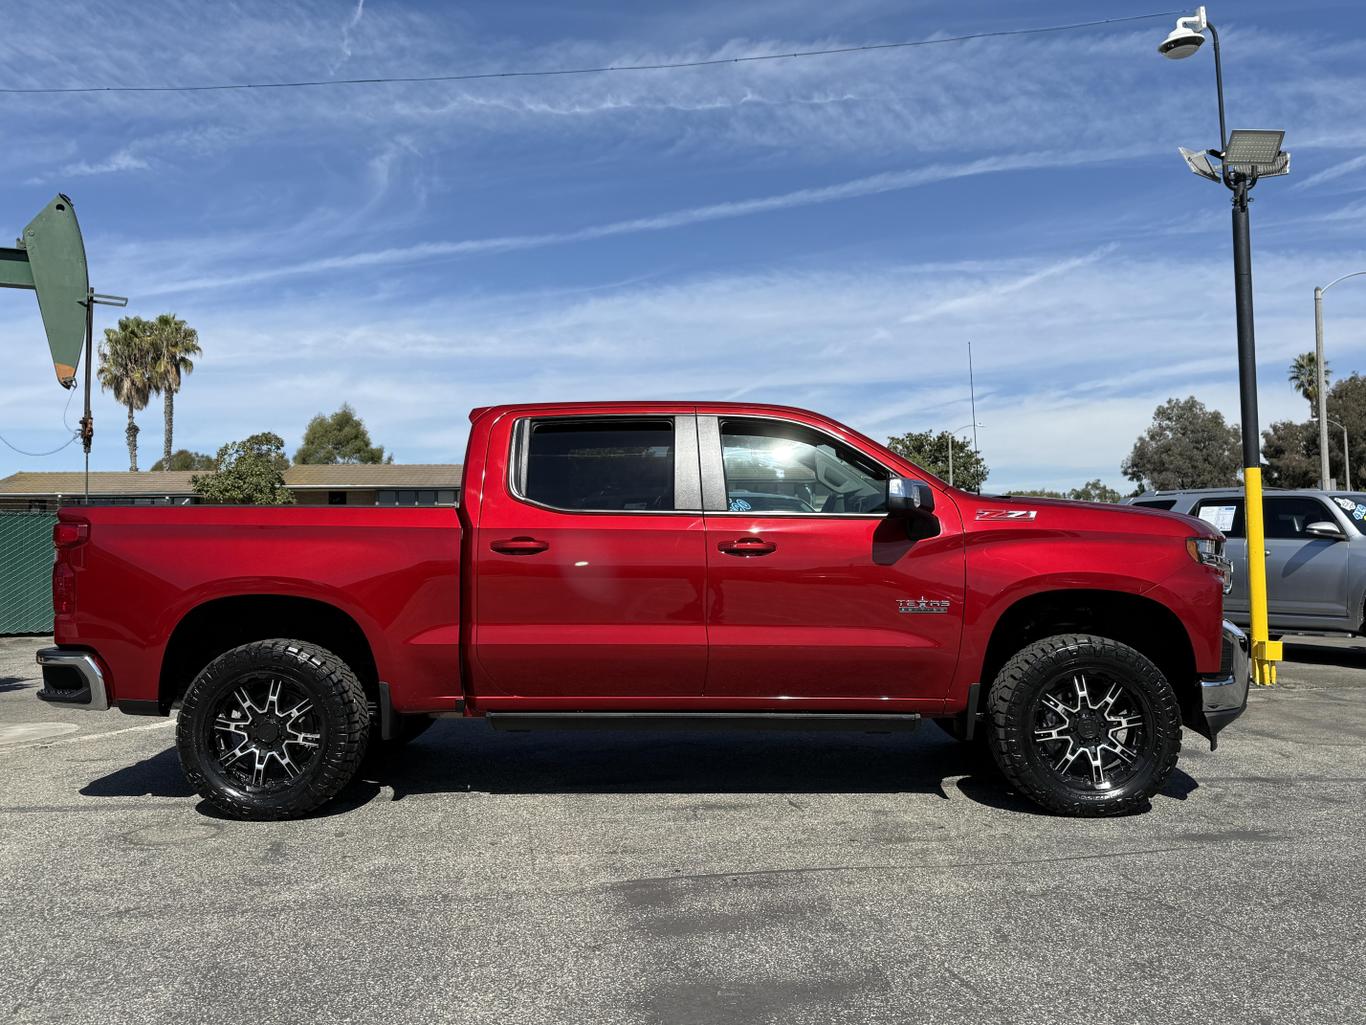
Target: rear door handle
<point>519,546</point>
<point>747,546</point>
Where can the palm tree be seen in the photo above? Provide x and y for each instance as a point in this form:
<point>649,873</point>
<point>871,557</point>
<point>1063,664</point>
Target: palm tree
<point>1304,375</point>
<point>173,343</point>
<point>126,369</point>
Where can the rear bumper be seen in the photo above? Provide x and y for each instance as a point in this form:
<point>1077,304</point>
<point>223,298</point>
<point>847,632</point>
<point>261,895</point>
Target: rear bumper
<point>72,678</point>
<point>1223,697</point>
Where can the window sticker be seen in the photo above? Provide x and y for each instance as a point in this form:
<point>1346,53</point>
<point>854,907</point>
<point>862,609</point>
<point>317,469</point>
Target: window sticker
<point>1220,517</point>
<point>1346,504</point>
<point>740,505</point>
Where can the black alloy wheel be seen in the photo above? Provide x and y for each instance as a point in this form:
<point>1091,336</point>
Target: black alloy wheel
<point>1084,725</point>
<point>273,729</point>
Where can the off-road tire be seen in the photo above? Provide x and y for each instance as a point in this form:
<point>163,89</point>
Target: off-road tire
<point>1021,684</point>
<point>340,702</point>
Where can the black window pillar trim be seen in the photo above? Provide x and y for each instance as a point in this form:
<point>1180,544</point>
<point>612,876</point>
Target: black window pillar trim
<point>714,498</point>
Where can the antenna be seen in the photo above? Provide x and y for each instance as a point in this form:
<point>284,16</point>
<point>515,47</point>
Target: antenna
<point>972,394</point>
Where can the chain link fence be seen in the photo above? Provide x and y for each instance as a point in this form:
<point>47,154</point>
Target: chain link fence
<point>26,572</point>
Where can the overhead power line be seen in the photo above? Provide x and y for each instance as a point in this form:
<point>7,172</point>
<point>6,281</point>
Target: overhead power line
<point>604,69</point>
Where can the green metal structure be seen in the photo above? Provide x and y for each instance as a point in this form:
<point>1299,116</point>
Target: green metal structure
<point>49,259</point>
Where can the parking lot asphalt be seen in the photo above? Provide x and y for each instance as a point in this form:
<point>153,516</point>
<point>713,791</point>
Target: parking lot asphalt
<point>688,878</point>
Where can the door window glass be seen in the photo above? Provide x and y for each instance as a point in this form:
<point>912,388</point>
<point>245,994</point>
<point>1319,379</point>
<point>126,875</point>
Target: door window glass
<point>1161,503</point>
<point>1224,514</point>
<point>780,467</point>
<point>607,465</point>
<point>1287,517</point>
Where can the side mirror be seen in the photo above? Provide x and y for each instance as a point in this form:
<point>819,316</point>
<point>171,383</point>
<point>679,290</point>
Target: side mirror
<point>1324,529</point>
<point>907,497</point>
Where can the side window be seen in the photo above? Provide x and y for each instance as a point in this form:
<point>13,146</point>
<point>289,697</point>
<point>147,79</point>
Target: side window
<point>1225,514</point>
<point>1287,517</point>
<point>1165,504</point>
<point>779,467</point>
<point>611,465</point>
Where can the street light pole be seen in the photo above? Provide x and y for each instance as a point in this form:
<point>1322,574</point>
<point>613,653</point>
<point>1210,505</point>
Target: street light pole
<point>1244,157</point>
<point>1322,384</point>
<point>1346,452</point>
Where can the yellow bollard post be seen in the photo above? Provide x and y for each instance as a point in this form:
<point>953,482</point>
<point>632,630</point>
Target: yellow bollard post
<point>1265,652</point>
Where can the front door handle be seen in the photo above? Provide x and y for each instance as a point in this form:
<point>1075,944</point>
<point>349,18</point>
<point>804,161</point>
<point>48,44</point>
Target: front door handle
<point>519,546</point>
<point>747,546</point>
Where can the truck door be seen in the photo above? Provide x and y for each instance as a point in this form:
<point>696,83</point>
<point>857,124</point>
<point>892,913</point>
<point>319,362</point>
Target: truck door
<point>812,590</point>
<point>590,561</point>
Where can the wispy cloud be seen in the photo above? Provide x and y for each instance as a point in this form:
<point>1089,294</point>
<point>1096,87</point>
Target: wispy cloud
<point>889,181</point>
<point>1338,170</point>
<point>347,28</point>
<point>121,160</point>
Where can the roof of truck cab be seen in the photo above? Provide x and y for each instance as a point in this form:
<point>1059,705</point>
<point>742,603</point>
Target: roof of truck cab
<point>652,406</point>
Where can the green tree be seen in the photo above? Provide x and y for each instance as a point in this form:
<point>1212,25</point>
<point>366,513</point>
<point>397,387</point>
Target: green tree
<point>1291,453</point>
<point>1304,375</point>
<point>930,451</point>
<point>1347,405</point>
<point>1091,491</point>
<point>1094,491</point>
<point>126,370</point>
<point>339,438</point>
<point>249,472</point>
<point>184,459</point>
<point>173,344</point>
<point>1187,446</point>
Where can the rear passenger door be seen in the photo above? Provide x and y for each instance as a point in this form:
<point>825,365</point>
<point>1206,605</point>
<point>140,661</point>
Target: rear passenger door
<point>590,563</point>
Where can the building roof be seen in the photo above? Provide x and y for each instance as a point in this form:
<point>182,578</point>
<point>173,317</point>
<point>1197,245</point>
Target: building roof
<point>102,482</point>
<point>375,475</point>
<point>36,483</point>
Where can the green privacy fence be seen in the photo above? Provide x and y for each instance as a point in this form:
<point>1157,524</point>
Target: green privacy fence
<point>26,572</point>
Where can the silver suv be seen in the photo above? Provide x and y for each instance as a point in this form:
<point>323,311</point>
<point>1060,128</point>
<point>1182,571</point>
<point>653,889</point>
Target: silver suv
<point>1315,553</point>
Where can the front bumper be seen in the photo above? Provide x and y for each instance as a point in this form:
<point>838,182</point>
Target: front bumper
<point>72,678</point>
<point>1223,696</point>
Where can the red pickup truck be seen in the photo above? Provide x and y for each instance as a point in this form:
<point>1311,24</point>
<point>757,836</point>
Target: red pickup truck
<point>657,565</point>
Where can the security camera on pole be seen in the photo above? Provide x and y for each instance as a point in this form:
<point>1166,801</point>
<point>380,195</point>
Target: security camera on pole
<point>1244,157</point>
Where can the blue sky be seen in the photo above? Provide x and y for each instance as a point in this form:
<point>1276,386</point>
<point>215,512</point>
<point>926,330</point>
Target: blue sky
<point>827,232</point>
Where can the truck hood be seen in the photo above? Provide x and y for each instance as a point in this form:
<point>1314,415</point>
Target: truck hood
<point>985,512</point>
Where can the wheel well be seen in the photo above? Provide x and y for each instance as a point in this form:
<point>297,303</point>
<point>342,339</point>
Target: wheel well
<point>220,625</point>
<point>1143,624</point>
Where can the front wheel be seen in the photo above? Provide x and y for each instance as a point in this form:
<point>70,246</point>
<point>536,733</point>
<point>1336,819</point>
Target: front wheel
<point>1084,725</point>
<point>272,729</point>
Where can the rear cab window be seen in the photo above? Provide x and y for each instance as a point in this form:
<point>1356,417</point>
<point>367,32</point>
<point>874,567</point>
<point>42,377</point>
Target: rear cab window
<point>605,465</point>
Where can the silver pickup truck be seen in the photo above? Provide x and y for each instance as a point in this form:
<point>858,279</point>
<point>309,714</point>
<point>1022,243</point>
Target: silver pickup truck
<point>1315,553</point>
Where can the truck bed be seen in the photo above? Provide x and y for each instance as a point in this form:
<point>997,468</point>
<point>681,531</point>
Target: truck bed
<point>181,580</point>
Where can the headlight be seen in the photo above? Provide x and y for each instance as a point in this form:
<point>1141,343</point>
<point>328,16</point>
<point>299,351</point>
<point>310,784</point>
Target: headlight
<point>1209,551</point>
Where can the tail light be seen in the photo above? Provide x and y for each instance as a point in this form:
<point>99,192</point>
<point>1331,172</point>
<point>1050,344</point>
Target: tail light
<point>66,535</point>
<point>63,589</point>
<point>69,534</point>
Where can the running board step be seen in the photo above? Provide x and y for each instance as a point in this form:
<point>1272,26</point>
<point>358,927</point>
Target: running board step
<point>867,723</point>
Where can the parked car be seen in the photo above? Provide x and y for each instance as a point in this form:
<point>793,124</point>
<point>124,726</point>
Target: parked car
<point>654,565</point>
<point>1315,553</point>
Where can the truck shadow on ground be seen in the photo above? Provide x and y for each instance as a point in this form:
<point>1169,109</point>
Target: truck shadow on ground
<point>1353,657</point>
<point>461,757</point>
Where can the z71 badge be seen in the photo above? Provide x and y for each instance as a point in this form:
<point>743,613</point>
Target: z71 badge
<point>922,606</point>
<point>1007,514</point>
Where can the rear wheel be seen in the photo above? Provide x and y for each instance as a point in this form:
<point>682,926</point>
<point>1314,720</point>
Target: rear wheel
<point>272,729</point>
<point>1084,725</point>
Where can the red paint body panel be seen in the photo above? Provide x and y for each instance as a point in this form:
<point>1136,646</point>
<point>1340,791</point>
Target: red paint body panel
<point>632,611</point>
<point>394,571</point>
